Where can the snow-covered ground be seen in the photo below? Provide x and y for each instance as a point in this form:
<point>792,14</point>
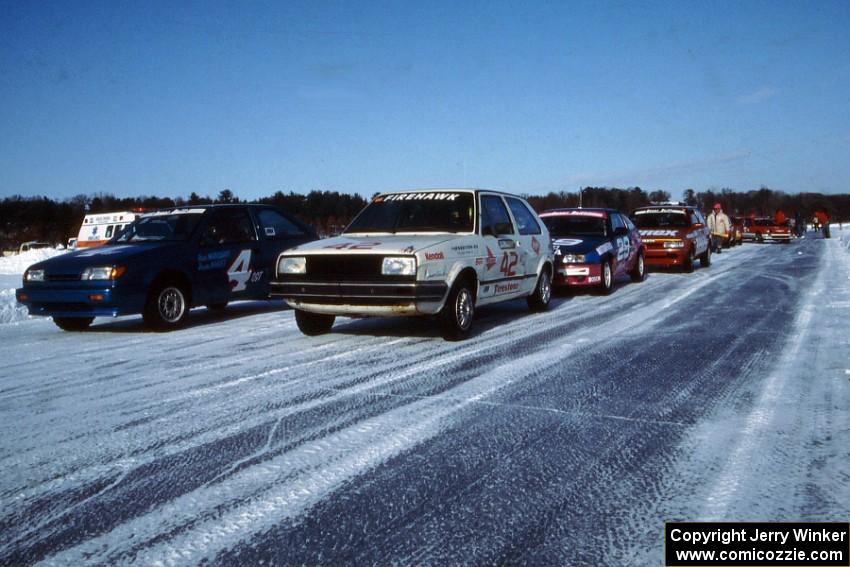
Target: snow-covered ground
<point>11,270</point>
<point>566,437</point>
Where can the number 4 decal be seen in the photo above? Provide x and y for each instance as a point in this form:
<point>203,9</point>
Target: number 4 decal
<point>240,270</point>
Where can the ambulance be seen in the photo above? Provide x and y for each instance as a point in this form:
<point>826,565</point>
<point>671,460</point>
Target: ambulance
<point>99,227</point>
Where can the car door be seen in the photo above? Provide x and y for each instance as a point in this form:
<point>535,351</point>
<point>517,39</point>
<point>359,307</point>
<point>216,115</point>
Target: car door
<point>700,227</point>
<point>529,237</point>
<point>634,240</point>
<point>277,232</point>
<point>621,241</point>
<point>228,251</point>
<point>503,273</point>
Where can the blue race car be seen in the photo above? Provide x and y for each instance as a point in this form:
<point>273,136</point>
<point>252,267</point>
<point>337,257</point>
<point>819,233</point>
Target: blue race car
<point>593,247</point>
<point>165,263</point>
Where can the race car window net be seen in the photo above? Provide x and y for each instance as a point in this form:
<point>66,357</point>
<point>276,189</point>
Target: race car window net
<point>661,220</point>
<point>280,226</point>
<point>228,226</point>
<point>173,227</point>
<point>575,226</point>
<point>494,216</point>
<point>416,215</point>
<point>525,220</point>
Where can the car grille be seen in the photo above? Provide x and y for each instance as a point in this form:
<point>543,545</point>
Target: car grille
<point>348,267</point>
<point>63,277</point>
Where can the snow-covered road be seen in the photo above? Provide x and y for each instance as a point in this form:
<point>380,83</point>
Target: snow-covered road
<point>566,437</point>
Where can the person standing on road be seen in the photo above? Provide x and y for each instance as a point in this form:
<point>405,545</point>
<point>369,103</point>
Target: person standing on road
<point>719,227</point>
<point>823,221</point>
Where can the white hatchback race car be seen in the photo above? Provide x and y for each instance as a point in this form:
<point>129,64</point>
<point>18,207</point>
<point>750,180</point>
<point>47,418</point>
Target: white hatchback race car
<point>429,252</point>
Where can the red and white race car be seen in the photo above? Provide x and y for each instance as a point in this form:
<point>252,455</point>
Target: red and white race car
<point>674,235</point>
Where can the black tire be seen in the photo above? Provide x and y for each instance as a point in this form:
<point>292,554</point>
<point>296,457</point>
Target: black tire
<point>705,258</point>
<point>639,271</point>
<point>217,307</point>
<point>167,307</point>
<point>313,324</point>
<point>688,266</point>
<point>539,300</point>
<point>607,284</point>
<point>456,315</point>
<point>73,323</point>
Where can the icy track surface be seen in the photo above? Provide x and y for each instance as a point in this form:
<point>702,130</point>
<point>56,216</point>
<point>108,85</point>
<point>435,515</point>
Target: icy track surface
<point>562,438</point>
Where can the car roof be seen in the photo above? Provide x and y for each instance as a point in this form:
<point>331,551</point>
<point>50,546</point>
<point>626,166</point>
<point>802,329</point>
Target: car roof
<point>676,208</point>
<point>475,190</point>
<point>211,207</point>
<point>578,211</point>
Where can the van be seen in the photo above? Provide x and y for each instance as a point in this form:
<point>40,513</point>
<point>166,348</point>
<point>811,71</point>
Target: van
<point>100,227</point>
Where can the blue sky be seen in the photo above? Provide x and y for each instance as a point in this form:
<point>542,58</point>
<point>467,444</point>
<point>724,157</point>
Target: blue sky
<point>142,98</point>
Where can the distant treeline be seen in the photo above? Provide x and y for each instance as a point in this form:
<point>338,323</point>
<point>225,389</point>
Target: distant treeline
<point>760,202</point>
<point>40,218</point>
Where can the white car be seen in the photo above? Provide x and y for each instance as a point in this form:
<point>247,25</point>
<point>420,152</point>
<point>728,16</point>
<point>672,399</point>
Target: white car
<point>428,252</point>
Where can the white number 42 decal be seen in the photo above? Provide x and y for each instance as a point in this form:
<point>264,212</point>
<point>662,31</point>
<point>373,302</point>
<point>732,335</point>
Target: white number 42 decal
<point>239,271</point>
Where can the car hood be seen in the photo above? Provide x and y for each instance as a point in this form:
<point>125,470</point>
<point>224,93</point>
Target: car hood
<point>373,244</point>
<point>75,262</point>
<point>580,244</point>
<point>663,232</point>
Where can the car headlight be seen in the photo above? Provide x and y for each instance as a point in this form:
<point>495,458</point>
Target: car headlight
<point>292,265</point>
<point>34,276</point>
<point>102,273</point>
<point>674,244</point>
<point>574,258</point>
<point>399,266</point>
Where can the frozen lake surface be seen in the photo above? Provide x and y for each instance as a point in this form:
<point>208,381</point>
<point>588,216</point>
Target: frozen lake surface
<point>567,437</point>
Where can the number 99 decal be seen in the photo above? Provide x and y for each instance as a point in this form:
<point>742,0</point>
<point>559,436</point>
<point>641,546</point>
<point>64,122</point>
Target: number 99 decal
<point>623,248</point>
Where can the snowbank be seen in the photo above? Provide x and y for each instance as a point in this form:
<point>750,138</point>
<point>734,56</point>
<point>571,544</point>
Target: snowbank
<point>10,310</point>
<point>19,262</point>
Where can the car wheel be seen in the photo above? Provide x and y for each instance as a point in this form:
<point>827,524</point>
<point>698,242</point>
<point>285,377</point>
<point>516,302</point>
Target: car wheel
<point>607,283</point>
<point>313,324</point>
<point>73,323</point>
<point>167,307</point>
<point>705,258</point>
<point>639,271</point>
<point>539,299</point>
<point>456,315</point>
<point>688,266</point>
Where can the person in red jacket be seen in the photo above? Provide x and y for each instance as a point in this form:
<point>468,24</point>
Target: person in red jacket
<point>823,221</point>
<point>779,217</point>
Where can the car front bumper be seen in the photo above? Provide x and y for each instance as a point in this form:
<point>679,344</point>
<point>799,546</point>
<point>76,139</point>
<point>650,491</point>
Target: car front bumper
<point>380,298</point>
<point>664,257</point>
<point>79,299</point>
<point>577,275</point>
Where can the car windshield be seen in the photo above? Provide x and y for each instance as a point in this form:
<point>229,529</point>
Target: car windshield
<point>416,212</point>
<point>574,226</point>
<point>176,226</point>
<point>765,222</point>
<point>661,220</point>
